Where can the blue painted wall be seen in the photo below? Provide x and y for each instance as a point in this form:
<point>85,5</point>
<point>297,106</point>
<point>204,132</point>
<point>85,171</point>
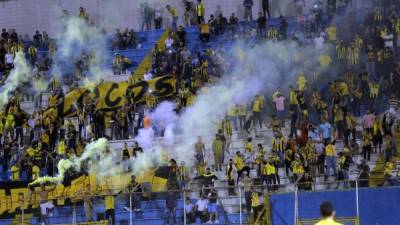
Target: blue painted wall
<point>380,206</point>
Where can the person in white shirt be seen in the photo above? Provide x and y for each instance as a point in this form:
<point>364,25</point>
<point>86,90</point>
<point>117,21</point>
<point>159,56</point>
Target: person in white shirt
<point>189,211</point>
<point>319,42</point>
<point>169,42</point>
<point>148,76</point>
<point>9,60</point>
<point>201,208</point>
<point>388,39</point>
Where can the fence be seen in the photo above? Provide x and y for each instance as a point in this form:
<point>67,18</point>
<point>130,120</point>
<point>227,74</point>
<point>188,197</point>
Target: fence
<point>230,206</point>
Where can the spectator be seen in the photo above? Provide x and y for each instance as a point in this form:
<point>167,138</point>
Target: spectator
<point>171,204</point>
<point>265,7</point>
<point>205,32</point>
<point>261,24</point>
<point>118,64</point>
<point>201,208</point>
<point>306,182</point>
<point>200,12</point>
<point>212,205</point>
<point>248,10</point>
<point>158,19</point>
<point>174,15</point>
<point>190,211</point>
<point>327,213</point>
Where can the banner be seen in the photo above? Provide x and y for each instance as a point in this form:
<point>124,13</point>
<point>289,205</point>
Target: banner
<point>112,95</point>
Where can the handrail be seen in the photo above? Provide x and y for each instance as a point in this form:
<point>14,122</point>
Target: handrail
<point>259,216</point>
<point>227,220</point>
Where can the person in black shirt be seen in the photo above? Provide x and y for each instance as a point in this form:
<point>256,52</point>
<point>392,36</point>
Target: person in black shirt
<point>181,33</point>
<point>283,27</point>
<point>171,204</point>
<point>306,182</point>
<point>4,34</point>
<point>265,7</point>
<point>261,24</point>
<point>135,189</point>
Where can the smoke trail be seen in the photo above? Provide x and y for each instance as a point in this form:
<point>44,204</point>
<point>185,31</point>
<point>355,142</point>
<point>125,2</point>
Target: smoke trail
<point>21,73</point>
<point>79,39</point>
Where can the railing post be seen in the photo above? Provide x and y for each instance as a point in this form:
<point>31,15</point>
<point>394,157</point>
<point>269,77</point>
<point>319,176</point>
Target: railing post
<point>240,204</point>
<point>184,207</point>
<point>22,213</point>
<point>357,202</point>
<point>73,214</point>
<point>130,209</point>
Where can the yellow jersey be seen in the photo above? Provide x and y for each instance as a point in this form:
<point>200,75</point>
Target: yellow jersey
<point>328,221</point>
<point>109,202</point>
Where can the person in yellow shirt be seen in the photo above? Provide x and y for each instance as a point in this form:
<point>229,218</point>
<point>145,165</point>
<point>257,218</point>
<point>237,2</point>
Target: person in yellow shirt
<point>218,150</point>
<point>232,115</point>
<point>172,11</point>
<point>330,158</point>
<point>15,172</point>
<point>256,106</point>
<point>327,214</point>
<point>205,33</point>
<point>240,166</point>
<point>270,172</point>
<point>302,82</point>
<point>341,52</point>
<point>9,125</point>
<point>390,166</point>
<point>200,11</point>
<point>35,172</point>
<point>109,206</point>
<point>255,203</point>
<point>332,33</point>
<point>367,145</point>
<point>242,113</point>
<point>377,135</point>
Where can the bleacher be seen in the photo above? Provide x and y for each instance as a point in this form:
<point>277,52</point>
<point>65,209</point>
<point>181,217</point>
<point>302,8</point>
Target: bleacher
<point>153,212</point>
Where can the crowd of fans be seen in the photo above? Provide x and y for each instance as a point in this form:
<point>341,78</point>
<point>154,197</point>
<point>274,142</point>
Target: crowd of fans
<point>319,126</point>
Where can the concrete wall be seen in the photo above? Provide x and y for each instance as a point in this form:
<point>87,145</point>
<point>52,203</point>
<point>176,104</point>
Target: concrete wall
<point>26,16</point>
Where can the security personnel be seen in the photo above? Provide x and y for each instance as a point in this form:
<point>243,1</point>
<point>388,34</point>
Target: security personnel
<point>200,11</point>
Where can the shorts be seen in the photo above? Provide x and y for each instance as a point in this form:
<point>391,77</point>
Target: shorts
<point>44,207</point>
<point>212,207</point>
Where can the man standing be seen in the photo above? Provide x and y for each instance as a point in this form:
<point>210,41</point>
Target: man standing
<point>171,204</point>
<point>327,213</point>
<point>248,7</point>
<point>265,7</point>
<point>200,11</point>
<point>174,15</point>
